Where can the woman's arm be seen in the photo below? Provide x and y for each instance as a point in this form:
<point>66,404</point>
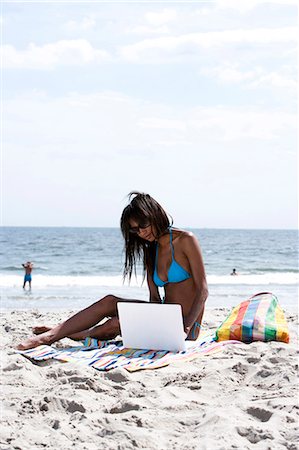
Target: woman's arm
<point>153,290</point>
<point>192,250</point>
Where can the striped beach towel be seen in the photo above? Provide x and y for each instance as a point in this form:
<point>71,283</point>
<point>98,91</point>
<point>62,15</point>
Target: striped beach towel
<point>258,319</point>
<point>107,355</point>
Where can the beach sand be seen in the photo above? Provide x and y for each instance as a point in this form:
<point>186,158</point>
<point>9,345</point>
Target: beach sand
<point>244,397</point>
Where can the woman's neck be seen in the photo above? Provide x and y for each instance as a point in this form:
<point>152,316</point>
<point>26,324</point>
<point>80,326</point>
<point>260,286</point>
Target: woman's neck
<point>164,239</point>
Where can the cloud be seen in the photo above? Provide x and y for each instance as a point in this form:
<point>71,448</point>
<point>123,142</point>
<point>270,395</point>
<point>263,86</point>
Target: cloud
<point>245,6</point>
<point>254,78</point>
<point>105,123</point>
<point>235,124</point>
<point>162,124</point>
<point>161,17</point>
<point>159,49</point>
<point>65,52</point>
<point>274,79</point>
<point>154,22</point>
<point>223,124</point>
<point>227,73</point>
<point>79,146</point>
<point>144,29</point>
<point>86,23</point>
<point>163,49</point>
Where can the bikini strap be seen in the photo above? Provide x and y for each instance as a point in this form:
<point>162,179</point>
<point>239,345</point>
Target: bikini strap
<point>170,241</point>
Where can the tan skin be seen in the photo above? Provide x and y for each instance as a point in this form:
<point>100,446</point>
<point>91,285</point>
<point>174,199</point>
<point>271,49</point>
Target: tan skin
<point>191,294</point>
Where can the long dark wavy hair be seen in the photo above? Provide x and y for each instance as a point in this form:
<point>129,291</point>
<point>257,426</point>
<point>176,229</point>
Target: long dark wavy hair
<point>143,209</point>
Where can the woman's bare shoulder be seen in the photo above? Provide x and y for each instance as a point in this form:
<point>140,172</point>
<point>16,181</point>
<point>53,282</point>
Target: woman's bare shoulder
<point>184,236</point>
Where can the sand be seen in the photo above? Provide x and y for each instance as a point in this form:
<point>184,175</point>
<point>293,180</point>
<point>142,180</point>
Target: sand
<point>244,397</point>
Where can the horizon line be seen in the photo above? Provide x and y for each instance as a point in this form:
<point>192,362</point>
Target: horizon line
<point>114,227</point>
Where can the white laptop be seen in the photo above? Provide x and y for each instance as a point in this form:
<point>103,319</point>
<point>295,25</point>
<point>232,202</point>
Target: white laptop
<point>152,326</point>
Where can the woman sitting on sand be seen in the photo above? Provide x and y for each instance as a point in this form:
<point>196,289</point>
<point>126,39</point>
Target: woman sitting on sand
<point>171,259</point>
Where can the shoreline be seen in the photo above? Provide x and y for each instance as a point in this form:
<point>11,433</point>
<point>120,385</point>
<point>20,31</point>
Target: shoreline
<point>68,298</point>
<point>242,397</point>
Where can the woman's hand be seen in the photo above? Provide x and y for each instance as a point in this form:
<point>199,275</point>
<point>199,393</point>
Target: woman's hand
<point>187,331</point>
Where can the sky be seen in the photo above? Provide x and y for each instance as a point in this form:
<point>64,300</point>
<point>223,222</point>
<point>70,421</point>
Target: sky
<point>194,103</point>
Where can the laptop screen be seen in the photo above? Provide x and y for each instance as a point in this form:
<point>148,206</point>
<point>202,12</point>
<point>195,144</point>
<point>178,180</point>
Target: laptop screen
<point>152,326</point>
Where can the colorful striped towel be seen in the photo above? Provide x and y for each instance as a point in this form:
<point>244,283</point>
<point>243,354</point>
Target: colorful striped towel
<point>258,319</point>
<point>107,355</point>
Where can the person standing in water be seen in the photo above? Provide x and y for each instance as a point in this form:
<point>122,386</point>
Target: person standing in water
<point>171,259</point>
<point>28,266</point>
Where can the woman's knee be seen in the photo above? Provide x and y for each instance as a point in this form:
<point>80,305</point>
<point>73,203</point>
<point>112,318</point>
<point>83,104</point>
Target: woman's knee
<point>108,330</point>
<point>110,301</point>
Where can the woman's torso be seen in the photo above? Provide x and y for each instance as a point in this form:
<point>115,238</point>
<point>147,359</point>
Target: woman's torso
<point>171,259</point>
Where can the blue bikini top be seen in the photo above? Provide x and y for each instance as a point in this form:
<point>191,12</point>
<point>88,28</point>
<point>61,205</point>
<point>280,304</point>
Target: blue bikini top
<point>176,273</point>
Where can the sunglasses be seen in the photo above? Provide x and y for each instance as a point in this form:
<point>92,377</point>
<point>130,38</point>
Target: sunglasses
<point>135,230</point>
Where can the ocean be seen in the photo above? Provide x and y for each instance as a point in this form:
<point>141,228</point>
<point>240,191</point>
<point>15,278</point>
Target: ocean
<point>74,267</point>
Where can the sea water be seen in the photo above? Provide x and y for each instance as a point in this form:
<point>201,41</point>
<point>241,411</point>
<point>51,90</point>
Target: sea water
<point>74,267</point>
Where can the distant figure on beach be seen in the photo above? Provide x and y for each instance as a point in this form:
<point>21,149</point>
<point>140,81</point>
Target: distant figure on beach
<point>28,266</point>
<point>234,272</point>
<point>171,259</point>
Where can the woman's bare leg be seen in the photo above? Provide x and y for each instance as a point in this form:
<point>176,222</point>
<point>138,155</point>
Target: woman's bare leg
<point>76,336</point>
<point>108,330</point>
<point>39,329</point>
<point>82,321</point>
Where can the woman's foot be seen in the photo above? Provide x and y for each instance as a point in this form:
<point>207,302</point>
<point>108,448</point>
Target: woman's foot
<point>42,339</point>
<point>39,329</point>
<point>108,330</point>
